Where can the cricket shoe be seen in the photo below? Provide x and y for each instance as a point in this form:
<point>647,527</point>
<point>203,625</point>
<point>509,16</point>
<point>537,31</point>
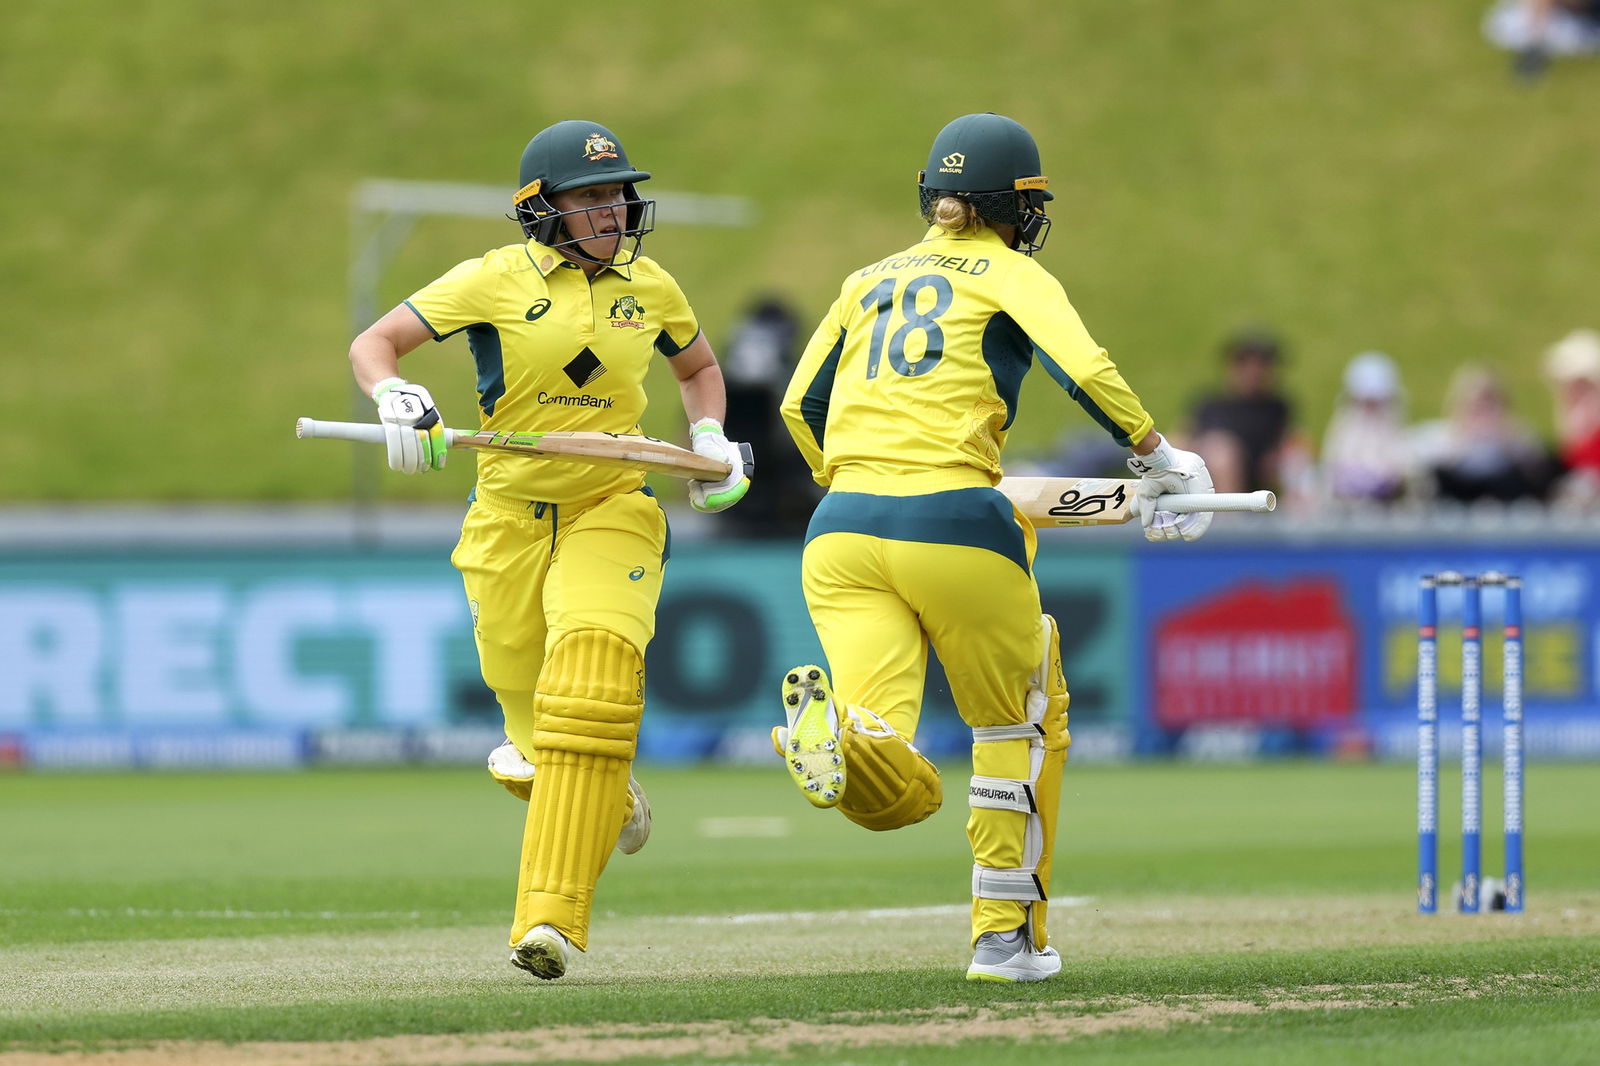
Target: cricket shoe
<point>507,766</point>
<point>810,744</point>
<point>542,951</point>
<point>1000,959</point>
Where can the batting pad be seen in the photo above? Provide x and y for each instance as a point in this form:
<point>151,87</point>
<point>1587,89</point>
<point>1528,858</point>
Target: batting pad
<point>1015,795</point>
<point>890,783</point>
<point>591,695</point>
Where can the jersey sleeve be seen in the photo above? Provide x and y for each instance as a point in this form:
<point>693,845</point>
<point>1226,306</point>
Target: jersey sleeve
<point>679,327</point>
<point>463,297</point>
<point>806,400</point>
<point>1037,302</point>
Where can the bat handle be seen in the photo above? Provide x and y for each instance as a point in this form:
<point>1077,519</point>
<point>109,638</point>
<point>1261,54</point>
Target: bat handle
<point>1194,502</point>
<point>364,432</point>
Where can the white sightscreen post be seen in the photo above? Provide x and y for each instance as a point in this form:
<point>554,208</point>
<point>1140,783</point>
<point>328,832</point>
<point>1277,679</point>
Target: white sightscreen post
<point>383,213</point>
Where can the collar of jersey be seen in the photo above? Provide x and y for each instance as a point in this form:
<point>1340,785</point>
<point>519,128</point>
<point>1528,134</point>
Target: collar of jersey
<point>538,253</point>
<point>987,235</point>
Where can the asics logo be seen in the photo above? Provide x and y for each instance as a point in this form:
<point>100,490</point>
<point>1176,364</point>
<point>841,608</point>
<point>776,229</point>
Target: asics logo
<point>537,311</point>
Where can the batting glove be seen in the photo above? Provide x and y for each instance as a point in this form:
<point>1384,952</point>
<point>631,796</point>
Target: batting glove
<point>411,426</point>
<point>1170,470</point>
<point>707,438</point>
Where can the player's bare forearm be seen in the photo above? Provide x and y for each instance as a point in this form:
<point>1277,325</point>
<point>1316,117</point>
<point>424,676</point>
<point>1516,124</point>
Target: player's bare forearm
<point>375,353</point>
<point>700,382</point>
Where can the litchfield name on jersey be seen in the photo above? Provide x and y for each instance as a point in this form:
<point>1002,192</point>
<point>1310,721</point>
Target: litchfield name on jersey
<point>577,401</point>
<point>943,262</point>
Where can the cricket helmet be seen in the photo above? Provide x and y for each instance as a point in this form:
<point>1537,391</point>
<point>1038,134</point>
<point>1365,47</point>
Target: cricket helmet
<point>570,155</point>
<point>991,162</point>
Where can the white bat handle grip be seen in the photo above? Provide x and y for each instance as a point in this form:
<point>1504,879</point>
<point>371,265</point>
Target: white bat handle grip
<point>1194,502</point>
<point>365,432</point>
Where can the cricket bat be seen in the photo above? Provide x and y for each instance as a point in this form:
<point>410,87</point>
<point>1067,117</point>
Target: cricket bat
<point>1095,501</point>
<point>1044,501</point>
<point>594,449</point>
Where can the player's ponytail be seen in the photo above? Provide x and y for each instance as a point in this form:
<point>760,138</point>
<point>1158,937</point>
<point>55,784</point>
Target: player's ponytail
<point>956,216</point>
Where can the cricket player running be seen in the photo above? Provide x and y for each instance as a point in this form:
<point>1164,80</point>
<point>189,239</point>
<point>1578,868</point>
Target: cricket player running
<point>901,404</point>
<point>562,562</point>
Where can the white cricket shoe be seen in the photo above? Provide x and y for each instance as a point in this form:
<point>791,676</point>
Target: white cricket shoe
<point>1010,957</point>
<point>542,952</point>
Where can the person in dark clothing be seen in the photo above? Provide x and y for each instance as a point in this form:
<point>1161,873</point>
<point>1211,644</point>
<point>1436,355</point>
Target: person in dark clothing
<point>1244,429</point>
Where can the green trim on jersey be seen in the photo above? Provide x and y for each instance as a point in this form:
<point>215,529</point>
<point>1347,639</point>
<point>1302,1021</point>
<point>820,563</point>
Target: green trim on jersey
<point>669,348</point>
<point>1009,353</point>
<point>973,518</point>
<point>814,404</point>
<point>483,340</point>
<point>1084,401</point>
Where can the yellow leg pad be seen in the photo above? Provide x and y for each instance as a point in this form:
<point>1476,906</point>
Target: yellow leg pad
<point>591,694</point>
<point>586,728</point>
<point>572,826</point>
<point>1054,687</point>
<point>889,783</point>
<point>1047,791</point>
<point>998,836</point>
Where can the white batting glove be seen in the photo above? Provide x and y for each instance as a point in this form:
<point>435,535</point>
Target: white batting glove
<point>707,439</point>
<point>1170,470</point>
<point>411,426</point>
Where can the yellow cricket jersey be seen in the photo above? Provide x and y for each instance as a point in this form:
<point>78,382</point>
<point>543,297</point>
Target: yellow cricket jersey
<point>556,350</point>
<point>910,383</point>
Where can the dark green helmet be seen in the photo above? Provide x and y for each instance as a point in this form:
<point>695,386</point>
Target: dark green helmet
<point>992,163</point>
<point>570,155</point>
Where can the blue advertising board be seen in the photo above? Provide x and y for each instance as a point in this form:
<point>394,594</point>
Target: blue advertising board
<point>1317,645</point>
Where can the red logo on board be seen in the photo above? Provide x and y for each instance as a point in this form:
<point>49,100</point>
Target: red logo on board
<point>1258,654</point>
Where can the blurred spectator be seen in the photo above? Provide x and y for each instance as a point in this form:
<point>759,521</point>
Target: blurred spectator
<point>1366,454</point>
<point>1479,449</point>
<point>1536,30</point>
<point>756,363</point>
<point>1572,367</point>
<point>1245,431</point>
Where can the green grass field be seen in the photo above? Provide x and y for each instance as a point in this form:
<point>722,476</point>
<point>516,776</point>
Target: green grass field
<point>1206,914</point>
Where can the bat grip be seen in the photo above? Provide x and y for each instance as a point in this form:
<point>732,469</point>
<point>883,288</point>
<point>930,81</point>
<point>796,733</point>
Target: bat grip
<point>1194,502</point>
<point>364,432</point>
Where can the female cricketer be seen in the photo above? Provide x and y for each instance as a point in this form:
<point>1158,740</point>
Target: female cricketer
<point>562,563</point>
<point>901,404</point>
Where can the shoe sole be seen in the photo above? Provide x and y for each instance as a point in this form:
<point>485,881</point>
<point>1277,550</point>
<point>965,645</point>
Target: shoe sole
<point>812,754</point>
<point>541,956</point>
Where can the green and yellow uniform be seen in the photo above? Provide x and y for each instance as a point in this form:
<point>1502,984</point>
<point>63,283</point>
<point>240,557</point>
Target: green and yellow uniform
<point>562,563</point>
<point>901,404</point>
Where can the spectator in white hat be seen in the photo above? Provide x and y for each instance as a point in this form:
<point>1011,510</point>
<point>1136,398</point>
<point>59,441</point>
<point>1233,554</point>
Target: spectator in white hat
<point>1366,453</point>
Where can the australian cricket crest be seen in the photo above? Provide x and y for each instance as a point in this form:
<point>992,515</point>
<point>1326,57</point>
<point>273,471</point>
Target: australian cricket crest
<point>599,146</point>
<point>627,313</point>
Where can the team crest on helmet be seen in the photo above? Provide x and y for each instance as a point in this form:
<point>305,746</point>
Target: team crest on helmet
<point>953,163</point>
<point>627,313</point>
<point>599,146</point>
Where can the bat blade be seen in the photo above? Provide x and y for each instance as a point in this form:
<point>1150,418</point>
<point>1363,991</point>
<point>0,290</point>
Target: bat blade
<point>1071,501</point>
<point>629,450</point>
<point>1088,501</point>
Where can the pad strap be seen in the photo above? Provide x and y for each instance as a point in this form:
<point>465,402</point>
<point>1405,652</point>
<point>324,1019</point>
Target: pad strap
<point>1020,731</point>
<point>1001,794</point>
<point>1022,885</point>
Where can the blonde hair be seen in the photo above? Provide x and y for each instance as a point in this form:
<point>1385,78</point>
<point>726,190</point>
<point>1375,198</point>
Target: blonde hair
<point>956,216</point>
